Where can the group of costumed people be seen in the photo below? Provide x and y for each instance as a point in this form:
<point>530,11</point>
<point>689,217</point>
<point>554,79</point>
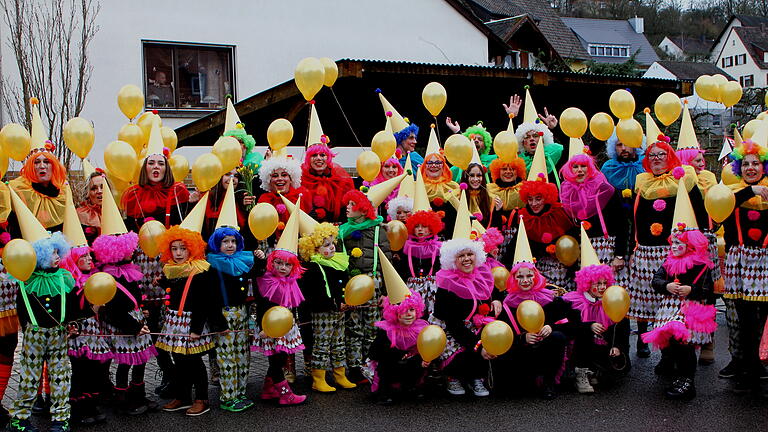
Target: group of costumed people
<point>640,221</point>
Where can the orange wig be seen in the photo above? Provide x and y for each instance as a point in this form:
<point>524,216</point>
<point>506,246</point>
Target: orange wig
<point>58,172</point>
<point>445,176</point>
<point>193,241</point>
<point>517,164</point>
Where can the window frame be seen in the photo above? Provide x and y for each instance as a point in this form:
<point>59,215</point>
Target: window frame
<point>608,50</point>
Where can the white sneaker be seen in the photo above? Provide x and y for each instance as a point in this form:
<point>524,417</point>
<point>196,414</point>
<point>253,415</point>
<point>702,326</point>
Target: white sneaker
<point>478,388</point>
<point>455,388</point>
<point>582,381</point>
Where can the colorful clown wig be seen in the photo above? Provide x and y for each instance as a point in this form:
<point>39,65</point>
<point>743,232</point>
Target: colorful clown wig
<point>110,249</point>
<point>539,281</point>
<point>429,219</point>
<point>191,239</point>
<point>610,146</point>
<point>517,164</point>
<point>69,263</point>
<point>392,312</point>
<point>399,203</point>
<point>492,239</point>
<point>403,135</point>
<point>697,253</point>
<point>268,166</point>
<point>450,249</point>
<point>362,204</point>
<point>581,159</point>
<point>687,155</point>
<point>288,257</point>
<point>44,249</point>
<point>444,177</point>
<point>591,274</point>
<point>748,147</point>
<point>318,149</point>
<point>308,243</point>
<point>547,191</point>
<point>662,145</point>
<point>538,126</point>
<point>214,242</point>
<point>478,129</point>
<point>58,172</point>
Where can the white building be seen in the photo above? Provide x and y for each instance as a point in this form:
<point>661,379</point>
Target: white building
<point>740,50</point>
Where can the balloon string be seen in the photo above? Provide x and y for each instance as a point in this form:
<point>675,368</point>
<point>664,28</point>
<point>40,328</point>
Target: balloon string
<point>345,117</point>
<point>437,130</point>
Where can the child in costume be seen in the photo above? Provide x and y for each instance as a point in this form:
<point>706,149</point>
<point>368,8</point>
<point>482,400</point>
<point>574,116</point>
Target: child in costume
<point>185,332</point>
<point>420,255</point>
<point>278,287</point>
<point>323,263</point>
<point>231,266</point>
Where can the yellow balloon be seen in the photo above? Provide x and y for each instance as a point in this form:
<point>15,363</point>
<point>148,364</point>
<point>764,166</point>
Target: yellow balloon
<point>384,145</point>
<point>229,152</point>
<point>309,76</point>
<point>601,126</point>
<point>431,342</point>
<point>368,165</point>
<point>727,175</point>
<point>497,337</point>
<point>500,277</point>
<point>179,167</point>
<point>100,288</point>
<point>149,237</point>
<point>762,115</point>
<point>458,150</point>
<point>616,303</point>
<point>573,122</point>
<point>130,99</point>
<point>667,108</point>
<point>750,128</point>
<point>721,247</point>
<point>206,171</point>
<point>133,135</point>
<point>567,250</point>
<point>279,134</point>
<point>15,141</point>
<point>145,122</point>
<point>117,184</point>
<point>359,290</point>
<point>331,71</point>
<point>277,322</point>
<point>530,315</point>
<point>630,132</point>
<point>707,88</point>
<point>719,202</point>
<point>434,98</point>
<point>505,146</point>
<point>730,93</point>
<point>719,81</point>
<point>170,139</point>
<point>263,220</point>
<point>121,160</point>
<point>3,163</point>
<point>78,136</point>
<point>397,234</point>
<point>19,259</point>
<point>622,104</point>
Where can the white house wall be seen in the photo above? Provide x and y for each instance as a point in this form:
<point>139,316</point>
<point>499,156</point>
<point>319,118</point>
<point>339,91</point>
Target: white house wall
<point>732,47</point>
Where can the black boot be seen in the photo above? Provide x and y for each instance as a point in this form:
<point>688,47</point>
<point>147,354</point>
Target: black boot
<point>137,400</point>
<point>4,417</point>
<point>84,407</point>
<point>548,390</point>
<point>682,389</point>
<point>665,367</point>
<point>42,406</point>
<point>164,390</point>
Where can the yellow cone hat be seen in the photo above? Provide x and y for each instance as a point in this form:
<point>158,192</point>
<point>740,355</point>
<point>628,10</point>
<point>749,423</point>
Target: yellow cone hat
<point>228,213</point>
<point>475,156</point>
<point>88,169</point>
<point>307,223</point>
<point>397,290</point>
<point>72,229</point>
<point>111,220</point>
<point>155,144</point>
<point>652,130</point>
<point>408,185</point>
<point>522,247</point>
<point>588,254</point>
<point>511,126</point>
<point>737,139</point>
<point>289,239</point>
<point>196,217</point>
<point>477,226</point>
<point>398,123</point>
<point>463,227</point>
<point>231,120</point>
<point>539,164</point>
<point>38,133</point>
<point>530,115</point>
<point>31,229</point>
<point>575,147</point>
<point>379,192</point>
<point>433,145</point>
<point>314,136</point>
<point>761,134</point>
<point>683,209</point>
<point>420,198</point>
<point>687,138</point>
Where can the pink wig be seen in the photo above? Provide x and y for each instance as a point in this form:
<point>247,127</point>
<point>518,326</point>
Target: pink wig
<point>69,263</point>
<point>539,281</point>
<point>492,238</point>
<point>590,274</point>
<point>286,256</point>
<point>391,162</point>
<point>581,159</point>
<point>319,148</point>
<point>393,311</point>
<point>688,155</point>
<point>110,249</point>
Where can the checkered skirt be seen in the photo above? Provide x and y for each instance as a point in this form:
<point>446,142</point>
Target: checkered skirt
<point>746,273</point>
<point>452,347</point>
<point>289,344</point>
<point>88,343</point>
<point>152,268</point>
<point>132,350</point>
<point>605,247</point>
<point>644,300</point>
<point>555,272</point>
<point>426,287</point>
<point>670,309</point>
<point>174,334</point>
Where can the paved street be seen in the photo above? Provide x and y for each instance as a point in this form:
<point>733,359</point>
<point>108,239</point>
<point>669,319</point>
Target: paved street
<point>637,405</point>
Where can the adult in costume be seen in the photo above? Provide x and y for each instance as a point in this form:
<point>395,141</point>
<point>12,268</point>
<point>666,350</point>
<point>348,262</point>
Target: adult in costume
<point>441,190</point>
<point>281,177</point>
<point>89,210</point>
<point>507,178</point>
<point>535,130</point>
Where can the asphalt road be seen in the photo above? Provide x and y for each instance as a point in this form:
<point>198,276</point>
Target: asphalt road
<point>637,404</point>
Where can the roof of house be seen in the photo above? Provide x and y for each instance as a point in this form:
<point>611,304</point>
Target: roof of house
<point>691,45</point>
<point>756,41</point>
<point>620,32</point>
<point>689,71</point>
<point>549,23</point>
<point>751,21</point>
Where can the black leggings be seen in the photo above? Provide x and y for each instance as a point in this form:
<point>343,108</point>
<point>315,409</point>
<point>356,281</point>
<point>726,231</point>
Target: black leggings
<point>121,375</point>
<point>88,377</point>
<point>7,347</point>
<point>467,365</point>
<point>275,370</point>
<point>683,356</point>
<point>190,373</point>
<point>154,322</point>
<point>752,316</point>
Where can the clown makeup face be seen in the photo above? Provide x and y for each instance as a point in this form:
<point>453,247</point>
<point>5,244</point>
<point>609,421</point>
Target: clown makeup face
<point>751,169</point>
<point>407,318</point>
<point>318,162</point>
<point>409,144</point>
<point>96,190</point>
<point>43,169</point>
<point>536,203</point>
<point>434,168</point>
<point>580,171</point>
<point>85,263</point>
<point>282,268</point>
<point>524,278</point>
<point>402,214</point>
<point>228,245</point>
<point>678,247</point>
<point>55,258</point>
<point>155,167</point>
<point>699,163</point>
<point>328,248</point>
<point>478,141</point>
<point>475,177</point>
<point>598,287</point>
<point>179,251</point>
<point>422,231</point>
<point>507,173</point>
<point>530,141</point>
<point>465,261</point>
<point>351,212</point>
<point>389,170</point>
<point>280,180</point>
<point>658,158</point>
<point>623,152</point>
<point>230,175</point>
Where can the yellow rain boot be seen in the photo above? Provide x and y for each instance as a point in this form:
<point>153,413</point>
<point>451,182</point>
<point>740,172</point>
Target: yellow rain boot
<point>319,383</point>
<point>340,376</point>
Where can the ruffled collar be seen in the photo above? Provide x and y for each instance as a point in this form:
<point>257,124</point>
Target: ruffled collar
<point>542,296</point>
<point>477,285</point>
<point>144,201</point>
<point>676,266</point>
<point>402,337</point>
<point>176,271</point>
<point>591,308</point>
<point>49,283</point>
<point>584,200</point>
<point>548,225</point>
<point>126,270</point>
<point>422,248</point>
<point>339,261</point>
<point>350,226</point>
<point>651,187</point>
<point>622,174</point>
<point>233,265</point>
<point>89,214</point>
<point>280,290</point>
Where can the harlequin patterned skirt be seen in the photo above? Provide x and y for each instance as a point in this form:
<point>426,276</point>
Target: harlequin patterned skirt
<point>506,248</point>
<point>555,272</point>
<point>452,347</point>
<point>644,300</point>
<point>175,331</point>
<point>427,288</point>
<point>672,310</point>
<point>605,247</point>
<point>152,269</point>
<point>131,350</point>
<point>746,273</point>
<point>289,344</point>
<point>717,275</point>
<point>9,321</point>
<point>88,344</point>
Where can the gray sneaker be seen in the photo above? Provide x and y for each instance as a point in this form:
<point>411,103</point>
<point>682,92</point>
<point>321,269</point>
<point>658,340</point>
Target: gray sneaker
<point>455,388</point>
<point>478,388</point>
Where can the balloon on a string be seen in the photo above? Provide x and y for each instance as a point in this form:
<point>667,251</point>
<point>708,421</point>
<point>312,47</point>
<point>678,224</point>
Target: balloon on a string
<point>431,342</point>
<point>750,128</point>
<point>15,140</point>
<point>279,134</point>
<point>359,290</point>
<point>573,122</point>
<point>100,288</point>
<point>368,165</point>
<point>19,259</point>
<point>719,202</point>
<point>616,303</point>
<point>397,234</point>
<point>730,93</point>
<point>630,133</point>
<point>179,167</point>
<point>500,276</point>
<point>458,150</point>
<point>277,322</point>
<point>146,121</point>
<point>149,237</point>
<point>384,145</point>
<point>133,135</point>
<point>206,171</point>
<point>3,163</point>
<point>667,108</point>
<point>130,100</point>
<point>229,152</point>
<point>309,76</point>
<point>505,146</point>
<point>79,136</point>
<point>497,337</point>
<point>707,88</point>
<point>622,104</point>
<point>601,126</point>
<point>567,250</point>
<point>331,71</point>
<point>170,139</point>
<point>530,315</point>
<point>434,98</point>
<point>263,220</point>
<point>121,160</point>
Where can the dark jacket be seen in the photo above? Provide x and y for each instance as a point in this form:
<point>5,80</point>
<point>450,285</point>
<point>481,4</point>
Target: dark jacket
<point>313,286</point>
<point>47,309</point>
<point>198,302</point>
<point>698,277</point>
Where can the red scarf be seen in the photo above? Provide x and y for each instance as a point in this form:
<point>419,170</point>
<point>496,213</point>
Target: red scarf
<point>145,201</point>
<point>553,221</point>
<point>292,195</point>
<point>327,190</point>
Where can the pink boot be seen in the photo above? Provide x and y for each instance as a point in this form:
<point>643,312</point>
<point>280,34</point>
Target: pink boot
<point>269,391</point>
<point>287,397</point>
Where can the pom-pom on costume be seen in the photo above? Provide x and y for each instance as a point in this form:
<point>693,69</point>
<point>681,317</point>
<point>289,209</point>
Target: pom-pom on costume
<point>326,188</point>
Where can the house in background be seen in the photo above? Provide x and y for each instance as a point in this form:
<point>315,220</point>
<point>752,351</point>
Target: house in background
<point>613,41</point>
<point>529,47</point>
<point>742,52</point>
<point>686,48</point>
<point>734,21</point>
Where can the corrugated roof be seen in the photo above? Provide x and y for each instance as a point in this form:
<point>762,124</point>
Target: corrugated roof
<point>691,70</point>
<point>691,45</point>
<point>591,30</point>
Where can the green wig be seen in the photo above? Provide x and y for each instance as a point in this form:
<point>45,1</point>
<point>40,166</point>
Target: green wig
<point>478,129</point>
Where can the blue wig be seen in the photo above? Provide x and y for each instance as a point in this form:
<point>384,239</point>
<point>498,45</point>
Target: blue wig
<point>44,249</point>
<point>214,242</point>
<point>405,133</point>
<point>610,147</point>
